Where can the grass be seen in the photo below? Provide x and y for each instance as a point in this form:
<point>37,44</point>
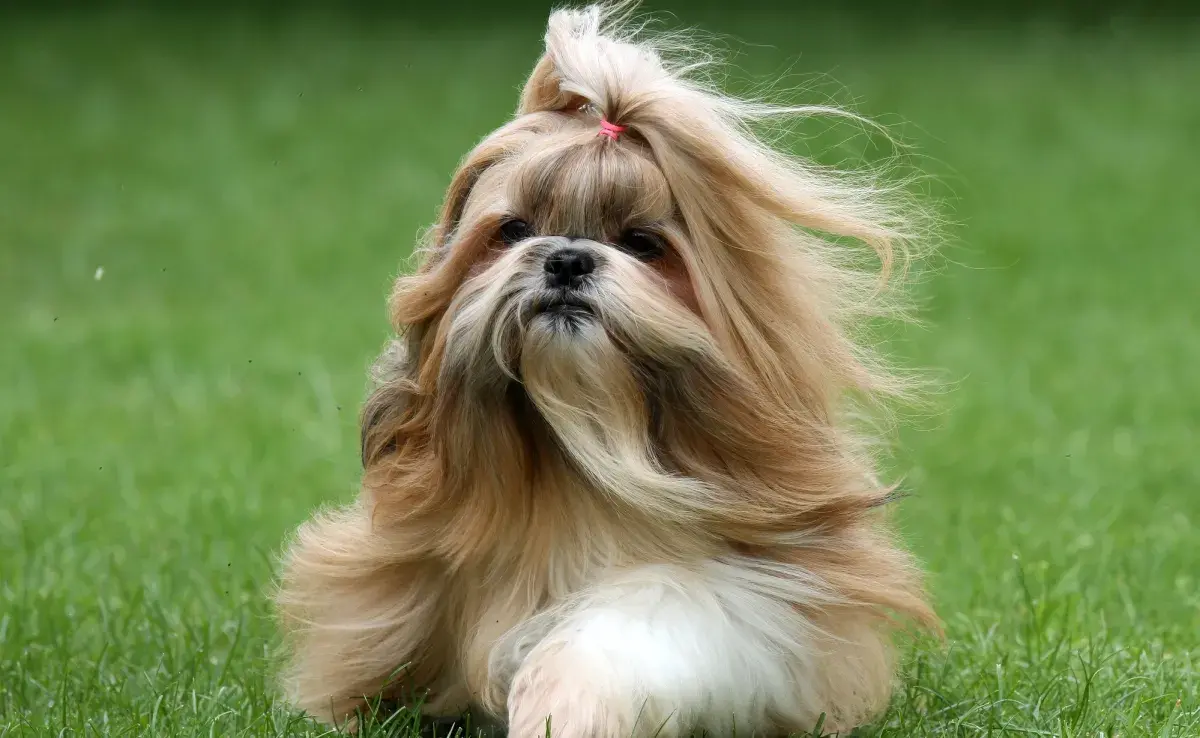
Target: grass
<point>249,187</point>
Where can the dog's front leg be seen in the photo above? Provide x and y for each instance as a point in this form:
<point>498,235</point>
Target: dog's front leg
<point>665,650</point>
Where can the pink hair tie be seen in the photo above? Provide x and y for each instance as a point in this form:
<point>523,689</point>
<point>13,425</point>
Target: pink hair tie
<point>612,130</point>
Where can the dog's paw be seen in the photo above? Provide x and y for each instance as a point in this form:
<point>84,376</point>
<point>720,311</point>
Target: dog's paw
<point>547,702</point>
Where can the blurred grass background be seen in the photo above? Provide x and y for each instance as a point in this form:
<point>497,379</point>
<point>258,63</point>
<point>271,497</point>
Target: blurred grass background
<point>202,206</point>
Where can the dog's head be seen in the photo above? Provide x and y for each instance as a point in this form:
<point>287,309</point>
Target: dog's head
<point>625,279</point>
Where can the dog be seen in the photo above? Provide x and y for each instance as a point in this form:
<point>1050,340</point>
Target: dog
<point>611,480</point>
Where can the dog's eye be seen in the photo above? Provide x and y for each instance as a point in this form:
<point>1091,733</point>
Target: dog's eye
<point>643,245</point>
<point>512,231</point>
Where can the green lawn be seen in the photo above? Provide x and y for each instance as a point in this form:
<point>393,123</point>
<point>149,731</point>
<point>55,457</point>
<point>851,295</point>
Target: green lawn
<point>249,188</point>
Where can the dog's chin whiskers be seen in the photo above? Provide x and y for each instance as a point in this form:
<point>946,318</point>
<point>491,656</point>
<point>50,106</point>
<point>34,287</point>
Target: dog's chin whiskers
<point>525,313</point>
<point>506,322</point>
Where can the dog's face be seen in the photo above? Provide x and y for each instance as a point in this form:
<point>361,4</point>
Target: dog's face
<point>564,280</point>
<point>657,309</point>
<point>575,261</point>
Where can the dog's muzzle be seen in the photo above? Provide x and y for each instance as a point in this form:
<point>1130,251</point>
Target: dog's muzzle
<point>568,271</point>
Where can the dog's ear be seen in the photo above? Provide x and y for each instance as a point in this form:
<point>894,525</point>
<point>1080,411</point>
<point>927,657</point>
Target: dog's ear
<point>419,296</point>
<point>468,174</point>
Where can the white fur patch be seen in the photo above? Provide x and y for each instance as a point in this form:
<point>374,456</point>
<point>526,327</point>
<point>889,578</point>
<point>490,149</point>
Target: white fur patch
<point>670,648</point>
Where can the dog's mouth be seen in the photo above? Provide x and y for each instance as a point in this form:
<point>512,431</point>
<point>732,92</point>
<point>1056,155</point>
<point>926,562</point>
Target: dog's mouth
<point>564,303</point>
<point>563,310</point>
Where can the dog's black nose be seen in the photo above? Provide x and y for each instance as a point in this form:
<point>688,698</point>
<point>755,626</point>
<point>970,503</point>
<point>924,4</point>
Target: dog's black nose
<point>567,267</point>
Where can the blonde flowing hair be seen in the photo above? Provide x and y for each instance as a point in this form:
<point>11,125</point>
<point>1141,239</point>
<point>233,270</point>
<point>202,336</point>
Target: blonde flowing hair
<point>705,415</point>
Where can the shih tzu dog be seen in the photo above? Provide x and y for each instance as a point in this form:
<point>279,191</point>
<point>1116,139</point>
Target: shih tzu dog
<point>610,481</point>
